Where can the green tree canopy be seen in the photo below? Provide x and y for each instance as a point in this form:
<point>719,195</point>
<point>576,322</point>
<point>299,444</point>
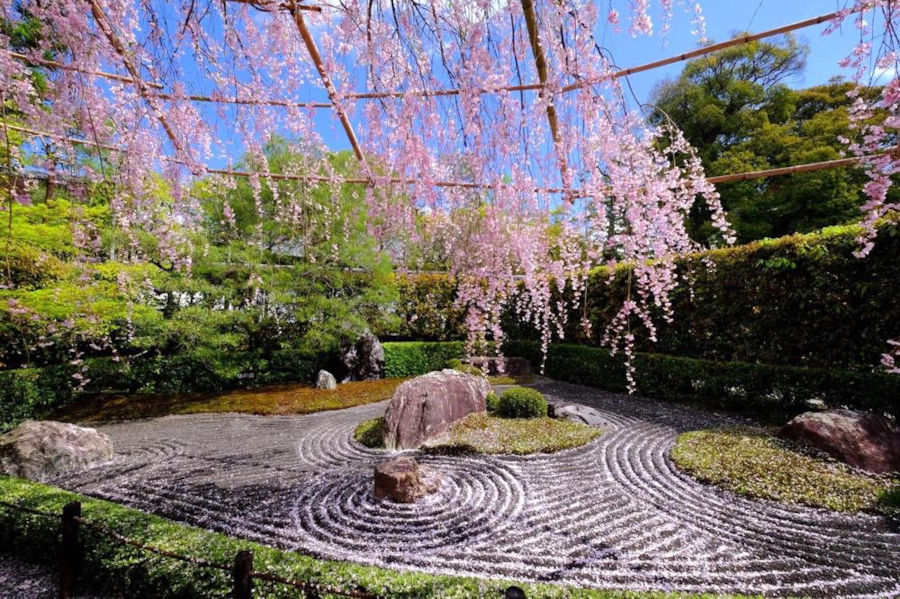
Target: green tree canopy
<point>736,108</point>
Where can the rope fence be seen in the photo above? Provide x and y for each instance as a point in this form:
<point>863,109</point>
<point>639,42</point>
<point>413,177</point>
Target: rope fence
<point>71,556</point>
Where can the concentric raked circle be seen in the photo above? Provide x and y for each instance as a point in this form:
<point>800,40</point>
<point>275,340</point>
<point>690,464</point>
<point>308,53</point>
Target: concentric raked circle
<point>476,498</point>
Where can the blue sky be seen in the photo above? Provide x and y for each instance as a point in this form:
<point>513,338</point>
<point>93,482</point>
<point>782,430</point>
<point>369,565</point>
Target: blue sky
<point>724,18</point>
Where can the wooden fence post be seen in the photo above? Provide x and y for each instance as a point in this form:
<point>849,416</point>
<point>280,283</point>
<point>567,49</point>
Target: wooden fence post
<point>70,552</point>
<point>514,593</point>
<point>243,582</point>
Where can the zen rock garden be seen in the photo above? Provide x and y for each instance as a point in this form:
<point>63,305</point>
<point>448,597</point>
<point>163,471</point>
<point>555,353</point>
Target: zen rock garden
<point>420,493</point>
<point>455,299</point>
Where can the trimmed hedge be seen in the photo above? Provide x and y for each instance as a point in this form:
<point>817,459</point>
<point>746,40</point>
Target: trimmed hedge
<point>801,300</point>
<point>120,570</point>
<point>418,357</point>
<point>772,392</point>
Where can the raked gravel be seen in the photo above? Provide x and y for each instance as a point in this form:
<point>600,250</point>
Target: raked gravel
<point>615,513</point>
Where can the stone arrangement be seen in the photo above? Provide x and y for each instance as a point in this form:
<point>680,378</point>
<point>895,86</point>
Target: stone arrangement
<point>863,440</point>
<point>363,360</point>
<point>427,405</point>
<point>41,450</point>
<point>615,513</point>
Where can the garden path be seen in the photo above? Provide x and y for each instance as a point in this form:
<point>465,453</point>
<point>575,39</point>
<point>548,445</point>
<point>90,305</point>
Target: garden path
<point>612,514</point>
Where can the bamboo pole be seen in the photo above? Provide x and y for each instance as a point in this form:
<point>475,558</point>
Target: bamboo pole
<point>540,62</point>
<point>326,81</point>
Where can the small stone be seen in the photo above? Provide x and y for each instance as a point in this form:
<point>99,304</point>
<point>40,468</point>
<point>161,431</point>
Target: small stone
<point>325,380</point>
<point>402,480</point>
<point>863,440</point>
<point>42,450</point>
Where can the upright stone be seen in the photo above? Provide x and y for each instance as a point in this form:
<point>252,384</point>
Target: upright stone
<point>325,380</point>
<point>41,450</point>
<point>427,405</point>
<point>363,360</point>
<point>863,440</point>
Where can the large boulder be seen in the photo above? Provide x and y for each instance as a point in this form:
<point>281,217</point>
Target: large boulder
<point>500,365</point>
<point>402,480</point>
<point>325,380</point>
<point>427,405</point>
<point>863,440</point>
<point>42,450</point>
<point>363,360</point>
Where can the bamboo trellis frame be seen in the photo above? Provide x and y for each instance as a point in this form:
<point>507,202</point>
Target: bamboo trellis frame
<point>295,8</point>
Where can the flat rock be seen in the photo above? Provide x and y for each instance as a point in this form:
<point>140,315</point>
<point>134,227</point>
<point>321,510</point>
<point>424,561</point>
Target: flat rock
<point>578,413</point>
<point>325,380</point>
<point>40,450</point>
<point>863,440</point>
<point>427,405</point>
<point>402,480</point>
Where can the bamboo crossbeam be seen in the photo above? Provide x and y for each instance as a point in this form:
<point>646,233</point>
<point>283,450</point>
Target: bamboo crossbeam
<point>168,96</point>
<point>284,176</point>
<point>277,5</point>
<point>744,39</point>
<point>746,176</point>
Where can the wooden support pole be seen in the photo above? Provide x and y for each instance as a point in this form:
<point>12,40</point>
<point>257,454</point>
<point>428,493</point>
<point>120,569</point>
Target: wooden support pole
<point>326,81</point>
<point>243,581</point>
<point>540,61</point>
<point>70,552</point>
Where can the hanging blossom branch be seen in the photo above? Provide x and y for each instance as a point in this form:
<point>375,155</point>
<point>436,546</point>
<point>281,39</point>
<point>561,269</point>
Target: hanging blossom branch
<point>874,59</point>
<point>510,245</point>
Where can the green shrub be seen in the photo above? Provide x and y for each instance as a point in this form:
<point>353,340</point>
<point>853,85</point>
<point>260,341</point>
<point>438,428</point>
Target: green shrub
<point>492,403</point>
<point>32,393</point>
<point>801,300</point>
<point>403,359</point>
<point>521,402</point>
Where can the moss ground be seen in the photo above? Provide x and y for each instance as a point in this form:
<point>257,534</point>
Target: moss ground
<point>482,433</point>
<point>752,463</point>
<point>275,399</point>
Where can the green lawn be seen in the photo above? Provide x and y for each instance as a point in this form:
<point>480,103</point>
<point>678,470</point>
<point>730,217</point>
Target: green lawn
<point>276,399</point>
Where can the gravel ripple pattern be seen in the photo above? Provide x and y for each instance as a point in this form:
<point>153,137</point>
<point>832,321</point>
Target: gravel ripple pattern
<point>614,514</point>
